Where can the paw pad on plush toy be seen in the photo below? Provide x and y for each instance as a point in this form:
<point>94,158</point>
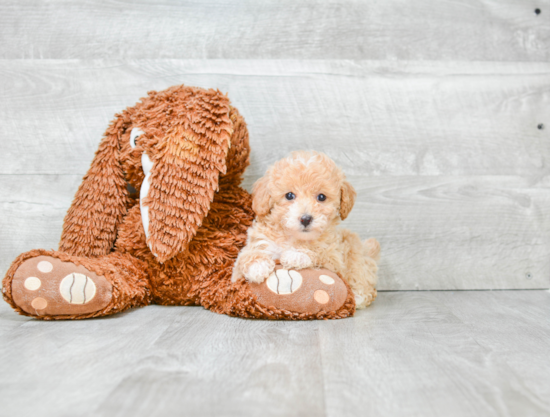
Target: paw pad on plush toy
<point>77,288</point>
<point>283,281</point>
<point>305,291</point>
<point>45,285</point>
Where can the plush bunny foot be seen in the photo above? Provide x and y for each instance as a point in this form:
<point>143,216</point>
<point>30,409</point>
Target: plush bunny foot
<point>44,285</point>
<point>54,285</point>
<point>304,294</point>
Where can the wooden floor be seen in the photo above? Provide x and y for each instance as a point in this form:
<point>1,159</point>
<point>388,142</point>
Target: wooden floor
<point>462,353</point>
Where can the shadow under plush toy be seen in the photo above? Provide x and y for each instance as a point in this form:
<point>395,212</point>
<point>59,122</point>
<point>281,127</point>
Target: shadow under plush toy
<point>185,149</point>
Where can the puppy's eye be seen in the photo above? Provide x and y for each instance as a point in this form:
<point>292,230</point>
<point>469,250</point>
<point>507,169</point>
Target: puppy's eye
<point>321,197</point>
<point>290,196</point>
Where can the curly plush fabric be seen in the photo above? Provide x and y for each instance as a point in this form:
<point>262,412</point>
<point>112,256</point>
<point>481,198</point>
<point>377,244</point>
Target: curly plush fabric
<point>198,213</point>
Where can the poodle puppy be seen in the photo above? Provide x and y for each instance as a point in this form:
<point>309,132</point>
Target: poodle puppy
<point>299,204</point>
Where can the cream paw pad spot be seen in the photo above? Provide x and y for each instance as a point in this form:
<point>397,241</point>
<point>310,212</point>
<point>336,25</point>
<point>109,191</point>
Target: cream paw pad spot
<point>45,285</point>
<point>301,291</point>
<point>77,288</point>
<point>283,281</point>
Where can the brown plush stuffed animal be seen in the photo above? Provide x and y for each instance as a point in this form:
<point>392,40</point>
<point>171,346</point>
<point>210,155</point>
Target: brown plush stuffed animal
<point>185,149</point>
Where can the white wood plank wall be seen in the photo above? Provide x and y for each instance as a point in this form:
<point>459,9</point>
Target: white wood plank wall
<point>440,30</point>
<point>432,108</point>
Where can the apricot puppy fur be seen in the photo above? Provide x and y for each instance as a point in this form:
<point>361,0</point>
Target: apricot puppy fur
<point>299,204</point>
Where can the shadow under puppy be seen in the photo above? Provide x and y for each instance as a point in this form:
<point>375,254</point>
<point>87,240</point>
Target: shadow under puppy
<point>299,204</point>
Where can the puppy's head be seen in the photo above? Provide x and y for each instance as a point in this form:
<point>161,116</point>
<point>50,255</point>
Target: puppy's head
<point>304,195</point>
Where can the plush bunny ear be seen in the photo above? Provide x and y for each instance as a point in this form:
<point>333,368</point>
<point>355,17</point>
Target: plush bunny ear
<point>185,172</point>
<point>90,226</point>
<point>347,199</point>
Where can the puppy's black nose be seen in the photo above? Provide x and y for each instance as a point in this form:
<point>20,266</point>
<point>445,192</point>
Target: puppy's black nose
<point>306,220</point>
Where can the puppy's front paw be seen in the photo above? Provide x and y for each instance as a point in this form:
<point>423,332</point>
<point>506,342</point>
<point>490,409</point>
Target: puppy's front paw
<point>294,259</point>
<point>258,271</point>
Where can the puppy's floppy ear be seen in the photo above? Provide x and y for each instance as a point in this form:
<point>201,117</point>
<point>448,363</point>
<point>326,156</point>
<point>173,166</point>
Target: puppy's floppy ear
<point>261,199</point>
<point>347,199</point>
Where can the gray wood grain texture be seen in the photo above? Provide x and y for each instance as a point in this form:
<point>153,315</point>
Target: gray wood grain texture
<point>488,30</point>
<point>410,353</point>
<point>372,118</point>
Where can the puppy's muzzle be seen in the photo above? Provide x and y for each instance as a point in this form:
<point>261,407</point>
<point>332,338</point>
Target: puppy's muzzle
<point>306,220</point>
